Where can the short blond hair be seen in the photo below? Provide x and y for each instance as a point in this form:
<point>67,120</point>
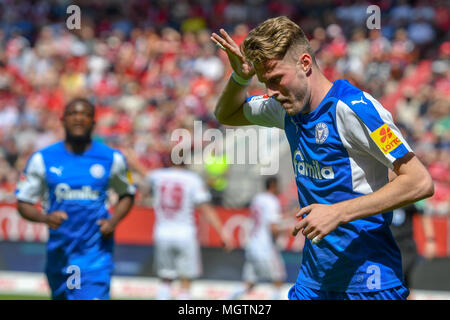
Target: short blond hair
<point>272,39</point>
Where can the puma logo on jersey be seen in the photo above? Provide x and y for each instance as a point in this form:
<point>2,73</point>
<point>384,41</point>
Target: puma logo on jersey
<point>57,171</point>
<point>358,101</point>
<point>313,169</point>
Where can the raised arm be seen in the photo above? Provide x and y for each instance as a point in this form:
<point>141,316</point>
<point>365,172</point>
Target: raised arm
<point>229,108</point>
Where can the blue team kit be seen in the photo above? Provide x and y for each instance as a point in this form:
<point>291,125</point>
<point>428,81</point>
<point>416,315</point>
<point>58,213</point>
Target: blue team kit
<point>360,259</point>
<point>77,184</point>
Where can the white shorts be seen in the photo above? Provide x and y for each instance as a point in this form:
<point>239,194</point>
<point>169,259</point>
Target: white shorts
<point>263,265</point>
<point>177,258</point>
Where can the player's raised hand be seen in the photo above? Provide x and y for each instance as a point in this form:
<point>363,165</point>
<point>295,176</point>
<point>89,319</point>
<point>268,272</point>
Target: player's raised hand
<point>320,221</point>
<point>106,227</point>
<point>55,218</point>
<point>240,65</point>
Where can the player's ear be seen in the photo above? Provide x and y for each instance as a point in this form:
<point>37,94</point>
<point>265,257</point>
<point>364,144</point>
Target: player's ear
<point>305,62</point>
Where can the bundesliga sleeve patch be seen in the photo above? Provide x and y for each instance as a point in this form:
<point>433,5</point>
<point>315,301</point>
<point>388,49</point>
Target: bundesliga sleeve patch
<point>385,138</point>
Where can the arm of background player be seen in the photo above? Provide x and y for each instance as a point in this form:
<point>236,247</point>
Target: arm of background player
<point>122,184</point>
<point>211,215</point>
<point>430,241</point>
<point>29,212</point>
<point>229,108</point>
<point>133,162</point>
<point>278,228</point>
<point>285,224</point>
<point>121,209</point>
<point>30,188</point>
<point>428,229</point>
<point>413,183</point>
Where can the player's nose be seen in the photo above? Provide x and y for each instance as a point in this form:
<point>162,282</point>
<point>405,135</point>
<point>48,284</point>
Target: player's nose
<point>272,93</point>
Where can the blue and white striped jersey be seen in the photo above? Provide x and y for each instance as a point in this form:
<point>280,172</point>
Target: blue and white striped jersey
<point>76,184</point>
<point>342,150</point>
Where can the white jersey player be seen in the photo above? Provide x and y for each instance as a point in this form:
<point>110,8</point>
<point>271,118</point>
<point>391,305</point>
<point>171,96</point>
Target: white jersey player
<point>263,260</point>
<point>177,192</point>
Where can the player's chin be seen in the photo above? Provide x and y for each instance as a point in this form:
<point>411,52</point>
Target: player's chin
<point>290,110</point>
<point>78,136</point>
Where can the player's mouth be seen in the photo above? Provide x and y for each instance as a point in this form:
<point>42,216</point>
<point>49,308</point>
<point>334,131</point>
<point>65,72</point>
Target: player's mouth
<point>78,128</point>
<point>285,104</point>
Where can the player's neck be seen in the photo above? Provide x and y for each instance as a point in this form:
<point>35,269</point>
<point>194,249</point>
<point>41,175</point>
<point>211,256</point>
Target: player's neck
<point>77,147</point>
<point>320,86</point>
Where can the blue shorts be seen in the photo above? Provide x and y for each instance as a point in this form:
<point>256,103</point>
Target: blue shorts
<point>299,292</point>
<point>91,285</point>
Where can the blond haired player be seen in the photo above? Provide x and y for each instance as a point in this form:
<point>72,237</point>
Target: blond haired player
<point>343,141</point>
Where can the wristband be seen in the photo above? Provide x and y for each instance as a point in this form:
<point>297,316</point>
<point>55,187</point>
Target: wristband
<point>239,80</point>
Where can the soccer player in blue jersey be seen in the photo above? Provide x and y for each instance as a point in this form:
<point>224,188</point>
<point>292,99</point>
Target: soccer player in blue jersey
<point>71,178</point>
<point>343,143</point>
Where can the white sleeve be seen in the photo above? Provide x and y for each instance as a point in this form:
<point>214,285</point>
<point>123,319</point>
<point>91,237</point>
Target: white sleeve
<point>31,185</point>
<point>370,128</point>
<point>200,193</point>
<point>264,111</point>
<point>120,180</point>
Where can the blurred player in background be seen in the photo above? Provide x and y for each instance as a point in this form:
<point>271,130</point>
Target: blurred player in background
<point>402,229</point>
<point>263,259</point>
<point>71,178</point>
<point>176,192</point>
<point>342,143</point>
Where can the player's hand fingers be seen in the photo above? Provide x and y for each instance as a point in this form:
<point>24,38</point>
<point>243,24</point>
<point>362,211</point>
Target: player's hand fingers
<point>56,218</point>
<point>215,38</point>
<point>62,215</point>
<point>308,230</point>
<point>54,223</point>
<point>300,225</point>
<point>313,234</point>
<point>316,240</point>
<point>304,210</point>
<point>227,37</point>
<point>224,45</point>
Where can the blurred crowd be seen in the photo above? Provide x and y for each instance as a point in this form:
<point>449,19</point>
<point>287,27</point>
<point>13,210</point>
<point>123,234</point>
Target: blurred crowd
<point>150,67</point>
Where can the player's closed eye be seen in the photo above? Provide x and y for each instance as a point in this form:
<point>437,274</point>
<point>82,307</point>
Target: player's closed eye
<point>274,81</point>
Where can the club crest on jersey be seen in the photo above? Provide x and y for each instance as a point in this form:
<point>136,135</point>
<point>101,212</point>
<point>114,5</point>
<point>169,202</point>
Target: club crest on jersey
<point>385,139</point>
<point>97,171</point>
<point>321,132</point>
